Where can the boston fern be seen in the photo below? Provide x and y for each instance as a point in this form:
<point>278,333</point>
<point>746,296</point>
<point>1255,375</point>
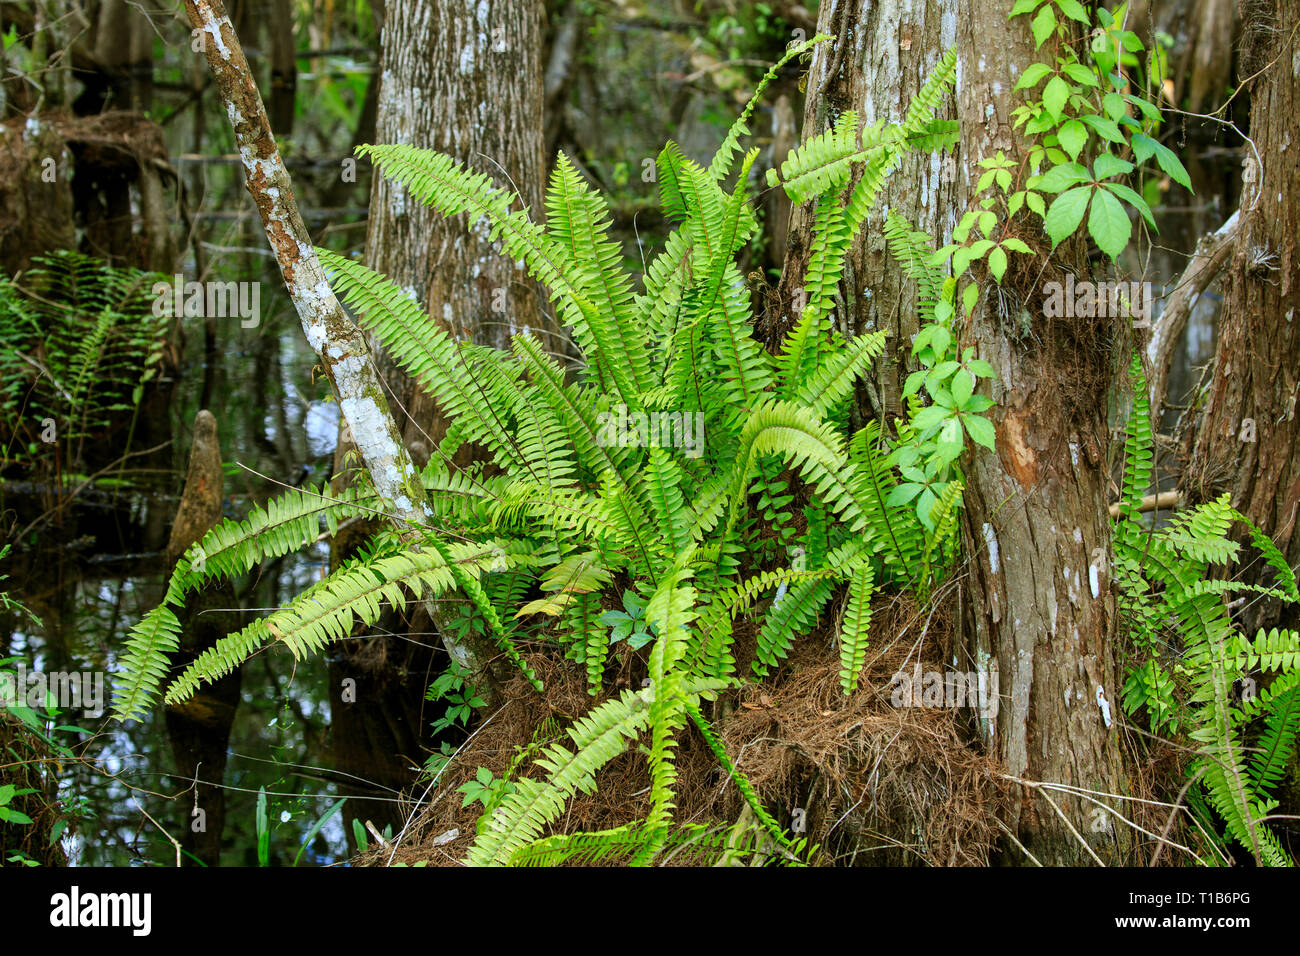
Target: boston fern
<point>79,342</point>
<point>656,477</point>
<point>1188,654</point>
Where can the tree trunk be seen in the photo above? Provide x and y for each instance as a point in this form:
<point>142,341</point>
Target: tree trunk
<point>1248,436</point>
<point>1036,594</point>
<point>284,68</point>
<point>883,54</point>
<point>465,80</point>
<point>1035,517</point>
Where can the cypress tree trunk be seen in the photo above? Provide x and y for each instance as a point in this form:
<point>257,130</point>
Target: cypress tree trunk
<point>1035,523</point>
<point>1247,439</point>
<point>1036,594</point>
<point>885,51</point>
<point>465,80</point>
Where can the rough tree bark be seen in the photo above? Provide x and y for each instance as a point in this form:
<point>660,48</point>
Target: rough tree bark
<point>1247,438</point>
<point>467,81</point>
<point>1035,522</point>
<point>883,55</point>
<point>1036,594</point>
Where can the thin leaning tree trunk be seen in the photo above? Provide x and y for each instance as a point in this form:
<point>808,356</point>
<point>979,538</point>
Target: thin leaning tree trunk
<point>341,346</point>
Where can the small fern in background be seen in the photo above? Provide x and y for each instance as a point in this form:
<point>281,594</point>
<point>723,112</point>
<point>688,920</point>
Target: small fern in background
<point>1188,655</point>
<point>685,476</point>
<point>78,343</point>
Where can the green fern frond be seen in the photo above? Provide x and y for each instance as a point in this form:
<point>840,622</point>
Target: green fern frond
<point>769,824</point>
<point>792,617</point>
<point>286,524</point>
<point>1273,751</point>
<point>597,738</point>
<point>721,164</point>
<point>577,220</point>
<point>855,626</point>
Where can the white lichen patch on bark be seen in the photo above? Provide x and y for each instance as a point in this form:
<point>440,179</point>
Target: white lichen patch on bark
<point>213,29</point>
<point>991,540</point>
<point>1104,704</point>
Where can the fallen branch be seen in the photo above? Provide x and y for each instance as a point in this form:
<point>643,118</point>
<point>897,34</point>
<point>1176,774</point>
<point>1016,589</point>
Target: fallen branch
<point>341,346</point>
<point>1165,501</point>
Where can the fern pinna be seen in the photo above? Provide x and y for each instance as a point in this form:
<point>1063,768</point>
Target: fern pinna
<point>1188,656</point>
<point>632,483</point>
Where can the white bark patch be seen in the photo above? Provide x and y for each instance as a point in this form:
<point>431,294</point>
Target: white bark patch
<point>1071,585</point>
<point>1094,580</point>
<point>1104,704</point>
<point>991,539</point>
<point>315,332</point>
<point>213,29</point>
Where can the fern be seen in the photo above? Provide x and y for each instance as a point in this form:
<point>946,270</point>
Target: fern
<point>79,341</point>
<point>593,491</point>
<point>853,630</point>
<point>1163,578</point>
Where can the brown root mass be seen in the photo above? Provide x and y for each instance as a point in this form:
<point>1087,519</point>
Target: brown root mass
<point>872,784</point>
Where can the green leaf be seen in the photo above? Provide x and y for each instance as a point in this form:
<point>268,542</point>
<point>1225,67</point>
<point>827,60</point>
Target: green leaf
<point>1080,74</point>
<point>1073,136</point>
<point>903,493</point>
<point>1074,10</point>
<point>1062,177</point>
<point>1106,165</point>
<point>980,430</point>
<point>1104,128</point>
<point>1055,95</point>
<point>1108,224</point>
<point>963,384</point>
<point>997,264</point>
<point>317,826</point>
<point>1043,25</point>
<point>1134,200</point>
<point>1033,75</point>
<point>1066,213</point>
<point>1149,109</point>
<point>1144,146</point>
